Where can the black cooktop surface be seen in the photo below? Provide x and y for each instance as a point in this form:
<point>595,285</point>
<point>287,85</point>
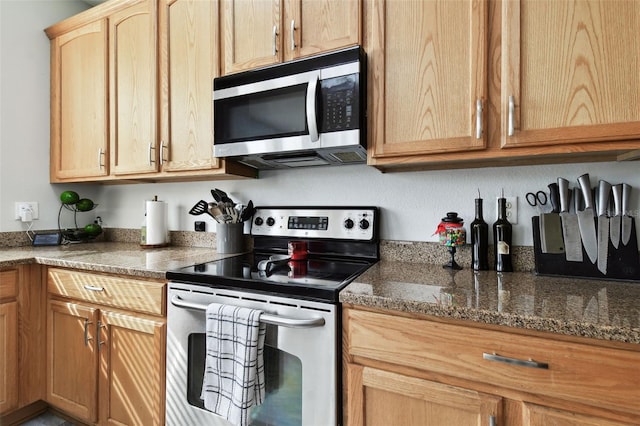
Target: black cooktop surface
<point>316,278</point>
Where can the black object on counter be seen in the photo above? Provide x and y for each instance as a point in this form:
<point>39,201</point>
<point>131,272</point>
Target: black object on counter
<point>502,233</point>
<point>479,240</point>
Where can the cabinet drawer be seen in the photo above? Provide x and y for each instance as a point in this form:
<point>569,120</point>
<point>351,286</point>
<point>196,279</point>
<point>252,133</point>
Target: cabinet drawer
<point>8,283</point>
<point>120,292</point>
<point>598,376</point>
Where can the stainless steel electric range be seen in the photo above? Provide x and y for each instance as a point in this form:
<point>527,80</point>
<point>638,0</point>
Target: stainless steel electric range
<point>302,257</point>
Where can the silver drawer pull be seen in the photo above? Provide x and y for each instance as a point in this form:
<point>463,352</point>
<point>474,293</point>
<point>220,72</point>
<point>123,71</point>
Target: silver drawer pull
<point>265,318</point>
<point>93,288</point>
<point>514,361</point>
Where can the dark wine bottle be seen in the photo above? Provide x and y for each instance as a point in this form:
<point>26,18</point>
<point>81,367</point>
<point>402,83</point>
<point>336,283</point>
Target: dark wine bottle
<point>479,240</point>
<point>502,239</point>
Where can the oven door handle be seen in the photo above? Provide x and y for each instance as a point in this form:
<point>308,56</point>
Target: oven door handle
<point>265,318</point>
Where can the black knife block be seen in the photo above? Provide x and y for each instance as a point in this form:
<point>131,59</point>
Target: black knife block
<point>623,263</point>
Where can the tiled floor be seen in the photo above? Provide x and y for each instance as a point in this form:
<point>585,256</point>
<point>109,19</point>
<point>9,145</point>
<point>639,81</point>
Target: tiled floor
<point>47,419</point>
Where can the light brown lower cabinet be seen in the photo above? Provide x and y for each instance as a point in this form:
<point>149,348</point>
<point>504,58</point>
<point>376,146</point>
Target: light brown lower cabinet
<point>415,370</point>
<point>106,347</point>
<point>8,340</point>
<point>21,340</point>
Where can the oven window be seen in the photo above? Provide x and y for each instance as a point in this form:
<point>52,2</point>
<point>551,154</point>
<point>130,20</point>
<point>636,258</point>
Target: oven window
<point>283,379</point>
<point>265,115</point>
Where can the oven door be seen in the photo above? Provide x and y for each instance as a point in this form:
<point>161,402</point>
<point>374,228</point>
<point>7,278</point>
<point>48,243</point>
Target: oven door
<point>300,358</point>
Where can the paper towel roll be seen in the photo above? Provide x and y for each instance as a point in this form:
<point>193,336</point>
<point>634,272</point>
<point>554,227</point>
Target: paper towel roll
<point>157,232</point>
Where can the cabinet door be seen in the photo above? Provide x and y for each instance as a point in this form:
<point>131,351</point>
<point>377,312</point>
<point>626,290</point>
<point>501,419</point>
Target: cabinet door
<point>251,34</point>
<point>132,48</point>
<point>189,63</point>
<point>378,397</point>
<point>314,26</point>
<point>8,356</point>
<point>72,361</point>
<point>79,111</point>
<point>536,415</point>
<point>571,70</point>
<point>427,81</point>
<point>132,370</point>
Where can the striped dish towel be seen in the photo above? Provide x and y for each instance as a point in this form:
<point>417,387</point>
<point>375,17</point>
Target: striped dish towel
<point>234,366</point>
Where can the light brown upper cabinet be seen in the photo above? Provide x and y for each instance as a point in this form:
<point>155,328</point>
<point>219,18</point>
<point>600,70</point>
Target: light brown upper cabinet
<point>132,54</point>
<point>264,32</point>
<point>188,65</point>
<point>79,103</point>
<point>570,72</point>
<point>132,86</point>
<point>427,75</point>
<point>471,83</point>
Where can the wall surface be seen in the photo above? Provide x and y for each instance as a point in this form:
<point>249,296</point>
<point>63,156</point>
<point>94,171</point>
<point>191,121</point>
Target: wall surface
<point>24,109</point>
<point>412,203</point>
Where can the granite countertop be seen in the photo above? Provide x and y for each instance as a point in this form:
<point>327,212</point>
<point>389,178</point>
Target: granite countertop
<point>604,310</point>
<point>115,258</point>
<point>596,309</point>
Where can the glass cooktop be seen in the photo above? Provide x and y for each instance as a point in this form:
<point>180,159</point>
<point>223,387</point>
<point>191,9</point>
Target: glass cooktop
<point>315,278</point>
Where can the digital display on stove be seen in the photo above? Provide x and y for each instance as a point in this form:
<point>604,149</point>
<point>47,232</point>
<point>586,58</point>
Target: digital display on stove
<point>318,223</point>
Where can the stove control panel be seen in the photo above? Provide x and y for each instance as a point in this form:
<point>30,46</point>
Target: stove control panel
<point>350,223</point>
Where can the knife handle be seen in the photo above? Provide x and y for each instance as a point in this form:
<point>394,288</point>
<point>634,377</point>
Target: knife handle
<point>577,199</point>
<point>554,197</point>
<point>585,186</point>
<point>564,194</point>
<point>617,199</point>
<point>626,196</point>
<point>604,188</point>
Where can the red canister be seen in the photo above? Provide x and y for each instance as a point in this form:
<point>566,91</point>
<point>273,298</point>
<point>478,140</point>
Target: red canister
<point>298,250</point>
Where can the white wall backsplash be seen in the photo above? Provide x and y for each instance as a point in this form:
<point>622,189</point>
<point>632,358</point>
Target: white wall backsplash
<point>412,203</point>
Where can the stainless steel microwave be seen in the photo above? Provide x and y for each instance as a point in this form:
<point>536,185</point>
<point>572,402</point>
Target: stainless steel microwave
<point>307,112</point>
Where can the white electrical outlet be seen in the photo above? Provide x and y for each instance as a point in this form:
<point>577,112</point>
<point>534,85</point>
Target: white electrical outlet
<point>26,210</point>
<point>512,209</point>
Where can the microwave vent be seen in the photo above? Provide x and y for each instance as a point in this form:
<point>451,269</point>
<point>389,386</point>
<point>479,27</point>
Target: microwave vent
<point>348,157</point>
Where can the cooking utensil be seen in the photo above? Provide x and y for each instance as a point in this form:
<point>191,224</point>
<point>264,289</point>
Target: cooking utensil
<point>604,188</point>
<point>273,262</point>
<point>550,225</point>
<point>570,230</point>
<point>223,197</point>
<point>247,212</point>
<point>627,220</point>
<point>586,221</point>
<point>201,207</point>
<point>614,222</point>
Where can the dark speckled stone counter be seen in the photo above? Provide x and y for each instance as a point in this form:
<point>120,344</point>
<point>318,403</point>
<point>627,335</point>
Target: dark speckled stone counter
<point>115,258</point>
<point>576,307</point>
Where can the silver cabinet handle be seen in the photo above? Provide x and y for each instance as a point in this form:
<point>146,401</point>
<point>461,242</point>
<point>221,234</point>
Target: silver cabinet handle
<point>265,318</point>
<point>162,148</point>
<point>515,361</point>
<point>93,288</point>
<point>275,40</point>
<point>293,39</point>
<point>479,119</point>
<point>100,326</point>
<point>86,331</point>
<point>151,149</point>
<point>312,122</point>
<point>100,155</point>
<point>512,110</point>
<point>492,421</point>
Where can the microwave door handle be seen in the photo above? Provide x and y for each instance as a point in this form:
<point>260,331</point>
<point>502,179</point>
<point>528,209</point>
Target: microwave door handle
<point>312,122</point>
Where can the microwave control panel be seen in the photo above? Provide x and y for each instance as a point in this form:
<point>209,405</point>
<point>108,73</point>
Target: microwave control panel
<point>339,103</point>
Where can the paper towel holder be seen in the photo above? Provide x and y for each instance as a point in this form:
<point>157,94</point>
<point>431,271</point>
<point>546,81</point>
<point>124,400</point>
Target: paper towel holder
<point>154,232</point>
